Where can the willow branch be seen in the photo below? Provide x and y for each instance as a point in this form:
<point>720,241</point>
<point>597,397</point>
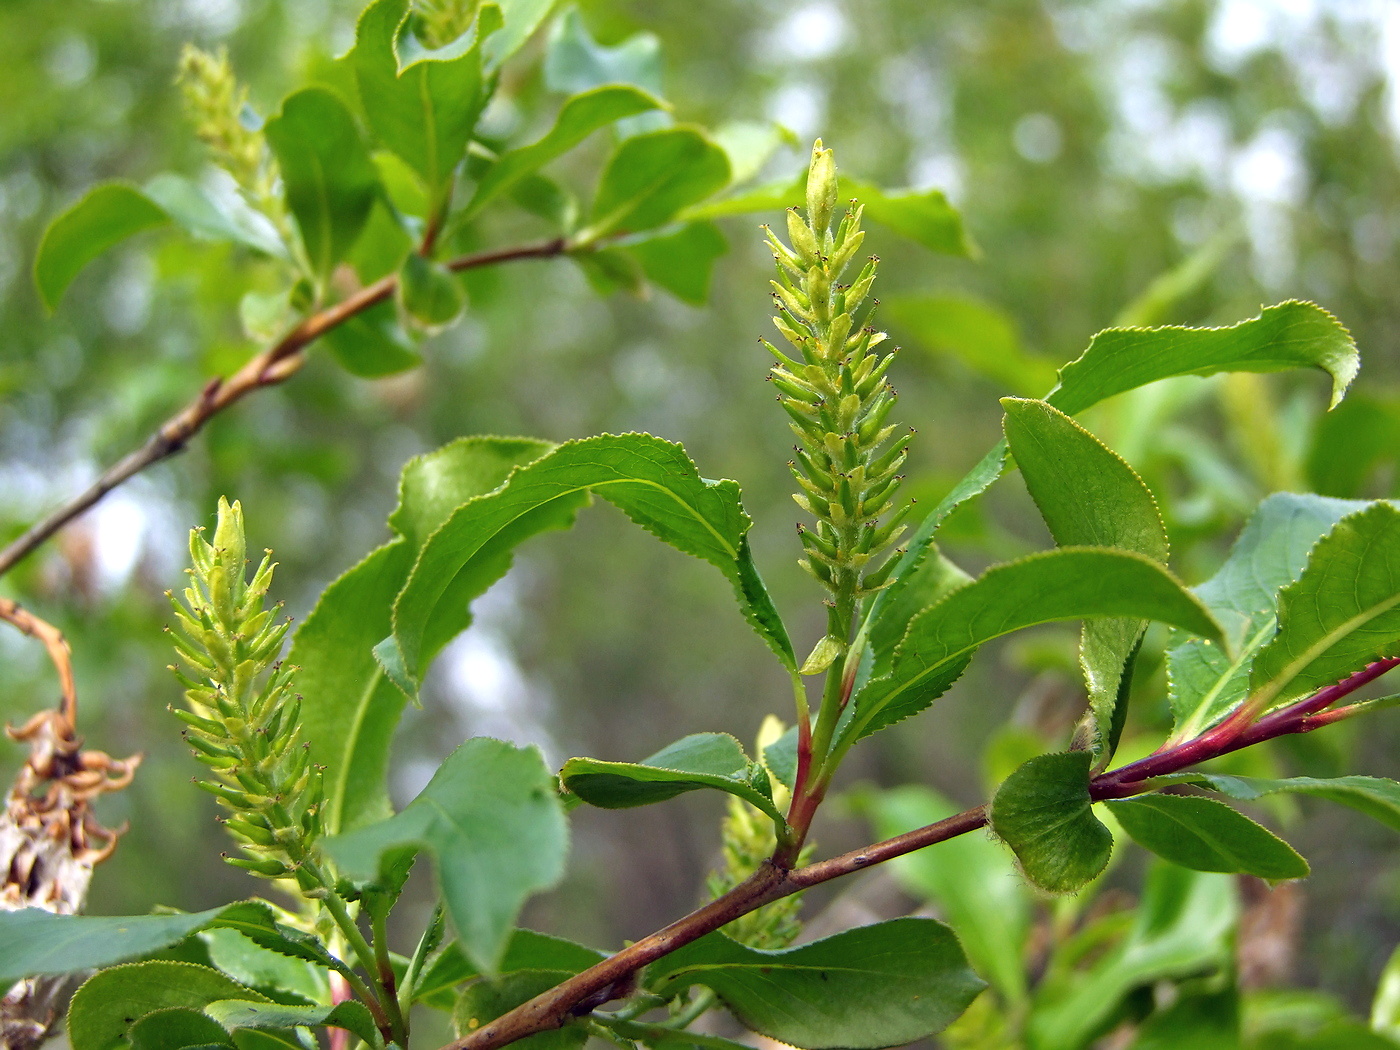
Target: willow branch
<point>614,977</point>
<point>272,366</point>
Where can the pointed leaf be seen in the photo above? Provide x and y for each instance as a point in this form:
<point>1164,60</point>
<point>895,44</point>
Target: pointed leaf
<point>581,115</point>
<point>1205,682</point>
<point>40,942</point>
<point>111,1001</point>
<point>649,479</point>
<point>874,986</point>
<point>1070,583</point>
<point>330,182</point>
<point>702,760</point>
<point>351,1015</point>
<point>973,881</point>
<point>1342,613</point>
<point>653,176</point>
<point>259,922</point>
<point>494,826</point>
<point>349,710</point>
<point>107,215</point>
<point>682,262</point>
<point>1206,835</point>
<point>1042,811</point>
<point>1376,797</point>
<point>424,112</point>
<point>1088,496</point>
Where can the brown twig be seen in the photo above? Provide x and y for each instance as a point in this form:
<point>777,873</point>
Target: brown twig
<point>15,614</point>
<point>268,368</point>
<point>612,978</point>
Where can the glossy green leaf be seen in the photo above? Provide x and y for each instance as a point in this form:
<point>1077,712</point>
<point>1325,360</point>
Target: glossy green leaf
<point>1089,496</point>
<point>1182,926</point>
<point>575,62</point>
<point>973,881</point>
<point>933,581</point>
<point>373,344</point>
<point>349,710</point>
<point>581,115</point>
<point>520,20</point>
<point>265,926</point>
<point>430,293</point>
<point>40,942</point>
<point>651,480</point>
<point>1374,796</point>
<point>981,336</point>
<point>874,986</point>
<point>527,950</point>
<point>702,760</point>
<point>424,110</point>
<point>193,210</point>
<point>111,1001</point>
<point>653,176</point>
<point>329,180</point>
<point>682,262</point>
<point>177,1028</point>
<point>923,216</point>
<point>1070,583</point>
<point>1205,682</point>
<point>1042,811</point>
<point>495,828</point>
<point>279,976</point>
<point>107,215</point>
<point>484,1001</point>
<point>1206,835</point>
<point>1289,335</point>
<point>351,1015</point>
<point>1342,613</point>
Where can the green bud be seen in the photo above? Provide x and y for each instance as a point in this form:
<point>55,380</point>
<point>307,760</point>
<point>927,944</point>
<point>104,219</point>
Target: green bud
<point>821,188</point>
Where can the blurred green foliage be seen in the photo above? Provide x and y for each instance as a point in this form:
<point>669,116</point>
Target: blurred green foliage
<point>1155,161</point>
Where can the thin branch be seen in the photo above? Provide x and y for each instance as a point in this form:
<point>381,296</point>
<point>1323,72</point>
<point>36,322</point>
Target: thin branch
<point>12,612</point>
<point>268,368</point>
<point>614,977</point>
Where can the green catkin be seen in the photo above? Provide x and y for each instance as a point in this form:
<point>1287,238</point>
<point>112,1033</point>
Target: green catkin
<point>243,721</point>
<point>836,395</point>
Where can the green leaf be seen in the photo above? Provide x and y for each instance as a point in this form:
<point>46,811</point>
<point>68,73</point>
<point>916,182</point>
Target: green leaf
<point>1089,496</point>
<point>495,828</point>
<point>1070,583</point>
<point>874,986</point>
<point>429,293</point>
<point>1182,926</point>
<point>973,881</point>
<point>351,1015</point>
<point>1042,811</point>
<point>189,207</point>
<point>580,116</point>
<point>769,196</point>
<point>175,1029</point>
<point>278,976</point>
<point>261,923</point>
<point>484,1001</point>
<point>349,710</point>
<point>653,176</point>
<point>1342,613</point>
<point>682,262</point>
<point>107,215</point>
<point>329,180</point>
<point>1206,835</point>
<point>1202,1022</point>
<point>372,344</point>
<point>1376,797</point>
<point>39,942</point>
<point>1289,335</point>
<point>933,581</point>
<point>702,760</point>
<point>651,480</point>
<point>981,336</point>
<point>521,19</point>
<point>528,950</point>
<point>1205,682</point>
<point>923,216</point>
<point>424,111</point>
<point>1350,443</point>
<point>111,1001</point>
<point>574,62</point>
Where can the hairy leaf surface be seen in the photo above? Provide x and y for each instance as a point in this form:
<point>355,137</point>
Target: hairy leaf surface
<point>702,760</point>
<point>874,986</point>
<point>1070,583</point>
<point>1043,812</point>
<point>1089,496</point>
<point>494,826</point>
